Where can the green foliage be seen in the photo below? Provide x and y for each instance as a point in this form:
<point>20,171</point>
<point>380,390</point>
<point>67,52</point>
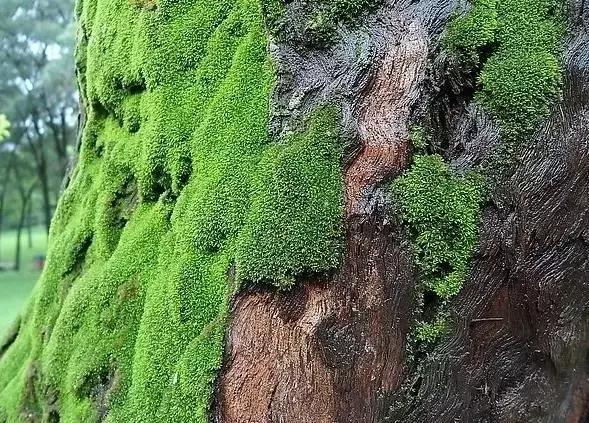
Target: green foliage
<point>520,41</point>
<point>4,127</point>
<point>432,332</point>
<point>442,211</point>
<point>37,83</point>
<point>178,193</point>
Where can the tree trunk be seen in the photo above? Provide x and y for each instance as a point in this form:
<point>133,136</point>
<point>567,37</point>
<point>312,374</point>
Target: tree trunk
<point>39,154</point>
<point>404,237</point>
<point>45,194</point>
<point>25,198</point>
<point>30,225</point>
<point>2,204</point>
<point>19,228</point>
<point>5,186</point>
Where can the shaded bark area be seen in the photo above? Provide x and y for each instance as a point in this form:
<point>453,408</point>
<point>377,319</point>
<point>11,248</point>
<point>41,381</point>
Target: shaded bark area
<point>334,349</point>
<point>521,348</point>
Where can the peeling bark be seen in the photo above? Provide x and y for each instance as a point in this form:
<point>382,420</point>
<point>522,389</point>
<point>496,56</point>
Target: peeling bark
<point>318,354</point>
<point>384,115</point>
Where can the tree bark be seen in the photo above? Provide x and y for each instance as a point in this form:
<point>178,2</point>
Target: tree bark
<point>5,186</point>
<point>30,225</point>
<point>335,349</point>
<point>25,194</point>
<point>19,228</point>
<point>40,157</point>
<point>127,325</point>
<point>5,181</point>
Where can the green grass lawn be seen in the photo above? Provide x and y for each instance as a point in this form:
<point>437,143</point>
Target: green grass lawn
<point>15,287</point>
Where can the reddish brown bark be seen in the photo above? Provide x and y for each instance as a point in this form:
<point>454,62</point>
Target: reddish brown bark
<point>319,354</point>
<point>383,117</point>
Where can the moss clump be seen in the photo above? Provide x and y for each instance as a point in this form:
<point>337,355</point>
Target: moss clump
<point>472,35</point>
<point>519,43</point>
<point>418,137</point>
<point>442,211</point>
<point>177,185</point>
<point>300,182</point>
<point>515,44</point>
<point>329,13</point>
<point>317,21</point>
<point>432,332</point>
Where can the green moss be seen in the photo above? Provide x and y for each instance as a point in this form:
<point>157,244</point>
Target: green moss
<point>301,182</point>
<point>470,35</point>
<point>320,18</point>
<point>273,11</point>
<point>418,138</point>
<point>515,45</point>
<point>442,212</point>
<point>330,13</point>
<point>432,332</point>
<point>519,42</point>
<point>178,189</point>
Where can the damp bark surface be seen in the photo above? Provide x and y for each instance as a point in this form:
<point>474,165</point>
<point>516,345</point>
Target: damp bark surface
<point>334,346</point>
<point>334,349</point>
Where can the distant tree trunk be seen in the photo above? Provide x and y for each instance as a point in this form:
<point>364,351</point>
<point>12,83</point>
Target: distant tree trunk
<point>57,122</point>
<point>40,157</point>
<point>25,194</point>
<point>192,275</point>
<point>46,196</point>
<point>30,225</point>
<point>5,185</point>
<point>2,198</point>
<point>21,223</point>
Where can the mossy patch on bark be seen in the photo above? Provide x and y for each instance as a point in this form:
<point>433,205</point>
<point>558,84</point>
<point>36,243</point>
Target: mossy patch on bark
<point>514,45</point>
<point>442,212</point>
<point>313,22</point>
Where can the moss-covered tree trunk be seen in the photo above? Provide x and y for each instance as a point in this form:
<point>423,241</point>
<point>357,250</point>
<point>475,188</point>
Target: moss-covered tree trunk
<point>318,211</point>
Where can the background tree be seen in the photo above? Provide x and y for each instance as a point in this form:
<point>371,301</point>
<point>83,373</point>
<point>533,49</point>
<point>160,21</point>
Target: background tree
<point>25,181</point>
<point>401,236</point>
<point>38,88</point>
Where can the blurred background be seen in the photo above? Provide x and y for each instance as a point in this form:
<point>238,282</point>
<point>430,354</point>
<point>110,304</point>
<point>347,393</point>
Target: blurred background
<point>38,124</point>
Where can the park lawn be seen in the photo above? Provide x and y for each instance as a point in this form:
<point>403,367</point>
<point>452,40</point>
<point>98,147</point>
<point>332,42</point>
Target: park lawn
<point>15,287</point>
